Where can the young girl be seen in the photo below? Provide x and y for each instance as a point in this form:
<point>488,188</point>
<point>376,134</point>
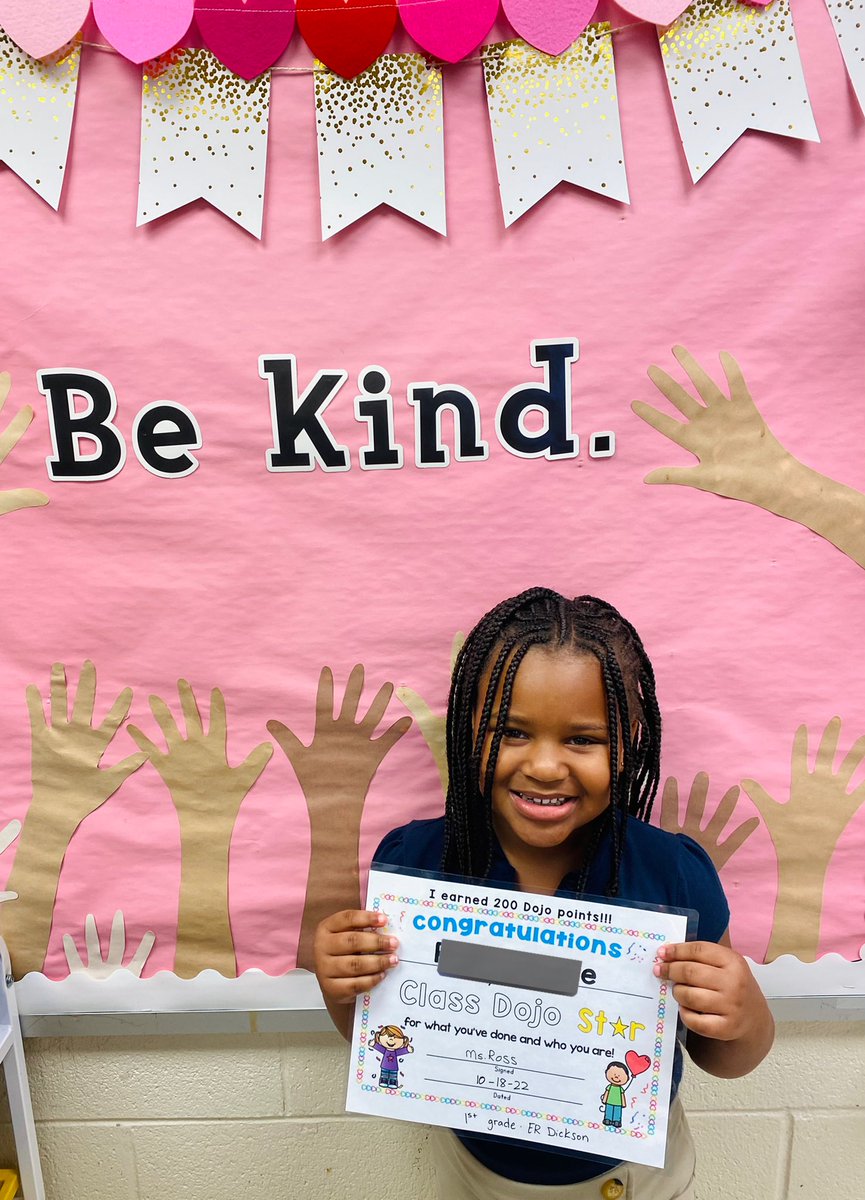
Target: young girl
<point>553,742</point>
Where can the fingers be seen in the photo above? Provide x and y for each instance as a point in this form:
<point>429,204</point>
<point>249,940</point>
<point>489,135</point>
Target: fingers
<point>324,696</point>
<point>852,760</point>
<point>5,385</point>
<point>738,837</point>
<point>687,476</point>
<point>218,729</point>
<point>828,746</point>
<point>73,958</point>
<point>17,498</point>
<point>764,803</point>
<point>91,941</point>
<point>166,722</point>
<point>735,379</point>
<point>116,715</point>
<point>378,707</point>
<point>117,942</point>
<point>120,772</point>
<point>9,833</point>
<point>670,805</point>
<point>189,707</point>
<point>58,695</point>
<point>391,736</point>
<point>143,742</point>
<point>351,699</point>
<point>723,812</point>
<point>675,393</point>
<point>705,385</point>
<point>688,959</point>
<point>676,431</point>
<point>34,708</point>
<point>352,955</point>
<point>139,958</point>
<point>289,743</point>
<point>254,763</point>
<point>15,430</point>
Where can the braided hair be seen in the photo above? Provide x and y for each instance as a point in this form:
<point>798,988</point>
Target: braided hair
<point>497,646</point>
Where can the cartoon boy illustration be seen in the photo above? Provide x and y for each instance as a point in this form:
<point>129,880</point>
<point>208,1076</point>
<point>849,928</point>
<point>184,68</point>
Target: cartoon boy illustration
<point>392,1044</point>
<point>618,1079</point>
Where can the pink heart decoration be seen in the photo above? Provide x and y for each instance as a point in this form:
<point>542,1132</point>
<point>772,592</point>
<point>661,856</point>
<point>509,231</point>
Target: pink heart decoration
<point>248,36</point>
<point>658,12</point>
<point>549,25</point>
<point>347,35</point>
<point>637,1063</point>
<point>449,29</point>
<point>40,27</point>
<point>142,31</point>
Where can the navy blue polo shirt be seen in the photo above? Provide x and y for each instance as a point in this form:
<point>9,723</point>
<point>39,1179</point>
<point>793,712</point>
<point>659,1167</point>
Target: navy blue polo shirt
<point>656,868</point>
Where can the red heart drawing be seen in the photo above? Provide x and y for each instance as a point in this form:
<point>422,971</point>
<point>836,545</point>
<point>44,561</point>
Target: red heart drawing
<point>40,27</point>
<point>449,29</point>
<point>347,35</point>
<point>248,36</point>
<point>637,1063</point>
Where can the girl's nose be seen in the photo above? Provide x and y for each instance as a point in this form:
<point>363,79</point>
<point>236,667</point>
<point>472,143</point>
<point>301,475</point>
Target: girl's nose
<point>545,763</point>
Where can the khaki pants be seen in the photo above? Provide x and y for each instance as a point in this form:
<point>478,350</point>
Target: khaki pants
<point>459,1176</point>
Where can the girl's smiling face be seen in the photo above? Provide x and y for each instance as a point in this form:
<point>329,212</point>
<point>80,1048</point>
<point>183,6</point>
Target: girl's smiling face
<point>552,777</point>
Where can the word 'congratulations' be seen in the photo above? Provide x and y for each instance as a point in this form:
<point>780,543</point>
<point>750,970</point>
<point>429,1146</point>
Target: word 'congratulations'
<point>509,930</point>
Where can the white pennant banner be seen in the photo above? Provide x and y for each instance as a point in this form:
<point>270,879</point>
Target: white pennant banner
<point>554,119</point>
<point>203,137</point>
<point>381,141</point>
<point>37,104</point>
<point>732,67</point>
<point>848,17</point>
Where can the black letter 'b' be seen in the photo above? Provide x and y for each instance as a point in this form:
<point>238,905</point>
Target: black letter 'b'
<point>93,423</point>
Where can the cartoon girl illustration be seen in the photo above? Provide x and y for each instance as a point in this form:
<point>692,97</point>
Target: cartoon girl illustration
<point>392,1044</point>
<point>618,1079</point>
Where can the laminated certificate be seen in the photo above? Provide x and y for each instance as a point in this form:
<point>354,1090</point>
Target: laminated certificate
<point>523,1015</point>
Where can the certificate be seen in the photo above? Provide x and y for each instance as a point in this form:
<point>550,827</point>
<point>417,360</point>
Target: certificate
<point>523,1015</point>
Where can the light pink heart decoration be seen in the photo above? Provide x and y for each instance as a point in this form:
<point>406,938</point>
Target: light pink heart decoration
<point>140,31</point>
<point>40,27</point>
<point>637,1063</point>
<point>449,29</point>
<point>549,25</point>
<point>248,36</point>
<point>657,12</point>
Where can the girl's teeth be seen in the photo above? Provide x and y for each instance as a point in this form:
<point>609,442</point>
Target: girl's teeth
<point>545,801</point>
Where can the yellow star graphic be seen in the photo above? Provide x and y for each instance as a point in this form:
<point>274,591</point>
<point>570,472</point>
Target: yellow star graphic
<point>620,1027</point>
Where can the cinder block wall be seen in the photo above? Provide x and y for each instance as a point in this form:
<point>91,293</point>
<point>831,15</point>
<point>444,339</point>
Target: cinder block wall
<point>261,1117</point>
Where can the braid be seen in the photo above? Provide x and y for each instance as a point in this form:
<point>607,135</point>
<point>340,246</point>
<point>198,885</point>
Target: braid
<point>490,659</point>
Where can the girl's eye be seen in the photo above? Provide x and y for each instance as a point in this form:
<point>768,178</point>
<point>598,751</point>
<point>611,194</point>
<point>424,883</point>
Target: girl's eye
<point>514,733</point>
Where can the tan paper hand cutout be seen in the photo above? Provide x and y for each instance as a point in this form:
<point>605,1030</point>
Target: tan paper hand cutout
<point>708,836</point>
<point>739,456</point>
<point>207,794</point>
<point>432,725</point>
<point>805,831</point>
<point>15,498</point>
<point>68,785</point>
<point>334,772</point>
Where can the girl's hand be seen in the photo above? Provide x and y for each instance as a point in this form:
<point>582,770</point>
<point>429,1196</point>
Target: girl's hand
<point>351,955</point>
<point>721,1005</point>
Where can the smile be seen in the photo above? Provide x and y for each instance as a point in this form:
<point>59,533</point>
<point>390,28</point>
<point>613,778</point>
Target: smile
<point>545,801</point>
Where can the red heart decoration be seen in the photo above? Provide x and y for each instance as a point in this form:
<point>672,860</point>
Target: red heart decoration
<point>449,29</point>
<point>637,1063</point>
<point>248,36</point>
<point>40,27</point>
<point>347,35</point>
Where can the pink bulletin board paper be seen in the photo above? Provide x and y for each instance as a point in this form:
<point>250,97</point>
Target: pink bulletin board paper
<point>250,581</point>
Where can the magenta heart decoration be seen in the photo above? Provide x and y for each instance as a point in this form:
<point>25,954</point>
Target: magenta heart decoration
<point>637,1063</point>
<point>248,36</point>
<point>658,12</point>
<point>141,31</point>
<point>549,25</point>
<point>40,27</point>
<point>449,29</point>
